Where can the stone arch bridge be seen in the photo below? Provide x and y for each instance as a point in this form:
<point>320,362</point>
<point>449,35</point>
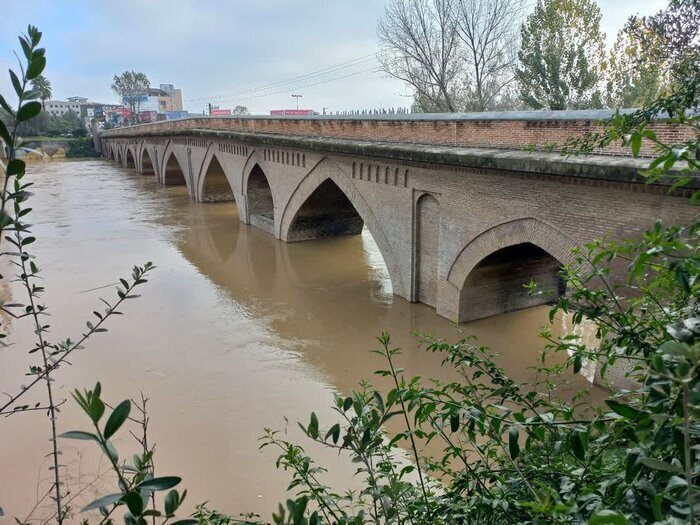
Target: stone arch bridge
<point>462,210</point>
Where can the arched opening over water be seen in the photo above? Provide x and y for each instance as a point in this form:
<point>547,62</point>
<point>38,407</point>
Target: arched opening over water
<point>130,163</point>
<point>327,212</point>
<point>146,163</point>
<point>261,209</point>
<point>216,186</point>
<point>427,238</point>
<point>118,157</point>
<point>497,283</point>
<point>174,176</point>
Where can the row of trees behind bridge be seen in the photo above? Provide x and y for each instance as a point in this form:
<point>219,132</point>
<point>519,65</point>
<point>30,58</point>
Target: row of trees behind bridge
<point>481,55</point>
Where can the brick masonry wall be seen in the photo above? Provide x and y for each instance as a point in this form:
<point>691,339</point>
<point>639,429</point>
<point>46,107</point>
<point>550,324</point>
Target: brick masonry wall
<point>495,133</point>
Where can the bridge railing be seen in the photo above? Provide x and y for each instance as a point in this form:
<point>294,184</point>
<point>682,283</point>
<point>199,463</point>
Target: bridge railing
<point>540,130</point>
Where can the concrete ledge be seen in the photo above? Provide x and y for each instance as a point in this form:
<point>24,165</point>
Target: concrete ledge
<point>598,167</point>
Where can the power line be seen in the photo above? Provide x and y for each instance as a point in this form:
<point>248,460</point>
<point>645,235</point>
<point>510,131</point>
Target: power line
<point>296,88</point>
<point>318,73</point>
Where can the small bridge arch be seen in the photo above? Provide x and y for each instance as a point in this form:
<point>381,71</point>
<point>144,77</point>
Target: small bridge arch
<point>490,272</point>
<point>260,203</point>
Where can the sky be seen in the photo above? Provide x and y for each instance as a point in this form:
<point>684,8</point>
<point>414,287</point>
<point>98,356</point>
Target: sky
<point>227,52</point>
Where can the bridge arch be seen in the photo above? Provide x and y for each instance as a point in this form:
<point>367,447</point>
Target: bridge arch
<point>173,174</point>
<point>214,184</point>
<point>489,273</point>
<point>327,178</point>
<point>118,156</point>
<point>130,158</point>
<point>260,204</point>
<point>147,166</point>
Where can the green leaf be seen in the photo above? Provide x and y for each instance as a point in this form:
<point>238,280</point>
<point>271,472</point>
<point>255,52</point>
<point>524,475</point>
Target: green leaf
<point>96,408</point>
<point>454,422</point>
<point>102,502</point>
<point>36,66</point>
<point>79,434</point>
<point>657,464</point>
<point>134,501</point>
<point>28,111</point>
<point>163,483</point>
<point>16,84</point>
<point>624,410</point>
<point>111,451</point>
<point>334,432</point>
<point>5,134</point>
<point>117,418</point>
<point>313,426</point>
<point>172,500</point>
<point>608,517</point>
<point>513,445</point>
<point>577,446</point>
<point>15,166</point>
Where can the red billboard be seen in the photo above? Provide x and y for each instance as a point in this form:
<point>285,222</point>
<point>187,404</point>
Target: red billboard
<point>220,112</point>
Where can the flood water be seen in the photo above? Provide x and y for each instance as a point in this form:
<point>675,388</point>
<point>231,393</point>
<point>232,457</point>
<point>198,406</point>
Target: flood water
<point>234,332</point>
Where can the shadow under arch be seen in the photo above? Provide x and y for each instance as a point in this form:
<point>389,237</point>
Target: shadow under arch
<point>316,179</point>
<point>491,270</point>
<point>130,162</point>
<point>147,167</point>
<point>214,186</point>
<point>259,201</point>
<point>118,156</point>
<point>173,174</point>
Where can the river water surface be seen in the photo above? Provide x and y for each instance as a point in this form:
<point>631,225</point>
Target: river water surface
<point>235,332</point>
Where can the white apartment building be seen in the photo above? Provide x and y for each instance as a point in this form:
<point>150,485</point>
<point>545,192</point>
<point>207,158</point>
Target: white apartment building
<point>61,107</point>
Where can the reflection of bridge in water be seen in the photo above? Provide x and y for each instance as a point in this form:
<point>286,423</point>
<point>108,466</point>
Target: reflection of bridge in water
<point>459,228</point>
<point>332,298</point>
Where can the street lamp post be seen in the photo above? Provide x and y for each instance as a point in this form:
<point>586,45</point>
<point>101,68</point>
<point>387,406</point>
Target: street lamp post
<point>297,97</point>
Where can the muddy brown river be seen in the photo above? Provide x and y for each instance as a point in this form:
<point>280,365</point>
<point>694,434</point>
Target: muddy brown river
<point>234,332</point>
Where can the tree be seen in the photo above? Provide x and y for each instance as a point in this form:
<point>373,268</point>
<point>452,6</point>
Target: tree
<point>43,86</point>
<point>132,87</point>
<point>420,46</point>
<point>671,37</point>
<point>562,55</point>
<point>240,110</point>
<point>488,30</point>
<point>636,69</point>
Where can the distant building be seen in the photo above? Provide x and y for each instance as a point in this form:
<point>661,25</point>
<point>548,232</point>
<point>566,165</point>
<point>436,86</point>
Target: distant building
<point>161,100</point>
<point>59,108</point>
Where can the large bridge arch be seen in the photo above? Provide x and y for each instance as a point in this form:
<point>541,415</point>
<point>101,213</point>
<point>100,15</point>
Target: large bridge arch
<point>214,184</point>
<point>148,167</point>
<point>260,202</point>
<point>327,170</point>
<point>130,157</point>
<point>488,275</point>
<point>174,166</point>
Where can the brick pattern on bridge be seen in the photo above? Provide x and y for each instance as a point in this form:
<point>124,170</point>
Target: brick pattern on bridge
<point>500,134</point>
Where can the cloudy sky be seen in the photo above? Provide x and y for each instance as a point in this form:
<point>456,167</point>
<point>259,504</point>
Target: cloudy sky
<point>227,52</point>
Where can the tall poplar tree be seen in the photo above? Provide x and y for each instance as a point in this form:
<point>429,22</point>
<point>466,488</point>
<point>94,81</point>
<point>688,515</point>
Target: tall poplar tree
<point>562,55</point>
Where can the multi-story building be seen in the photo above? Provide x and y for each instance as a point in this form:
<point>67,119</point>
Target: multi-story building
<point>59,108</point>
<point>161,100</point>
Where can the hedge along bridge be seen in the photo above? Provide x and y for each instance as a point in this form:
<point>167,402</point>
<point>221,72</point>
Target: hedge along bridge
<point>462,212</point>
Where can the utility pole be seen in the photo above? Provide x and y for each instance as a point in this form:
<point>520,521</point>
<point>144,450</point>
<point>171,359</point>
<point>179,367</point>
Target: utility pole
<point>297,97</point>
<point>209,108</point>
